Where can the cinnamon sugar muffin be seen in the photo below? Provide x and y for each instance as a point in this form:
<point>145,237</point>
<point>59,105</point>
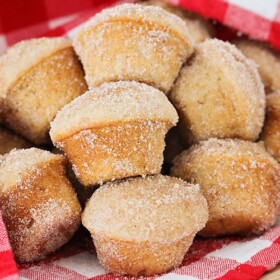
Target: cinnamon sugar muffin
<point>114,131</point>
<point>39,206</point>
<point>271,129</point>
<point>134,43</point>
<point>240,181</point>
<point>9,141</point>
<point>38,77</point>
<point>219,94</point>
<point>144,226</point>
<point>267,59</point>
<point>200,29</point>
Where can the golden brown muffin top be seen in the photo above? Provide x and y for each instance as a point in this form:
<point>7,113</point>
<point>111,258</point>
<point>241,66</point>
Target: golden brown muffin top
<point>226,55</point>
<point>231,148</point>
<point>112,102</point>
<point>18,164</point>
<point>200,29</point>
<point>153,209</point>
<point>150,15</point>
<point>236,176</point>
<point>267,59</point>
<point>228,64</point>
<point>24,55</point>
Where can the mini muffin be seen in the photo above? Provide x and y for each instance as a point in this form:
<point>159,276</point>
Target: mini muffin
<point>200,29</point>
<point>267,59</point>
<point>271,129</point>
<point>219,94</point>
<point>134,43</point>
<point>9,141</point>
<point>39,206</point>
<point>114,131</point>
<point>38,77</point>
<point>144,226</point>
<point>240,181</point>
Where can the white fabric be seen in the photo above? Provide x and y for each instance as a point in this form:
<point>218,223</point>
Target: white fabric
<point>84,263</point>
<point>241,251</point>
<point>266,9</point>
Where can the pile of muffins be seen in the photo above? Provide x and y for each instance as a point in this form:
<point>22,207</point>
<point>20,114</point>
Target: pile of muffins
<point>107,103</point>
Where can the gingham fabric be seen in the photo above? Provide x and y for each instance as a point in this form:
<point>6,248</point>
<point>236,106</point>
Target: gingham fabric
<point>35,18</point>
<point>229,258</point>
<point>8,269</point>
<point>260,19</point>
<point>223,259</point>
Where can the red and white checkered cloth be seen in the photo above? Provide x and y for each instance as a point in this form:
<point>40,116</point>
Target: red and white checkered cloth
<point>259,19</point>
<point>227,258</point>
<point>19,19</point>
<point>208,259</point>
<point>8,269</point>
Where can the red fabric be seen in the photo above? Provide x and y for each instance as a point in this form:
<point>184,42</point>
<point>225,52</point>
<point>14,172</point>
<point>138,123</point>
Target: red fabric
<point>249,22</point>
<point>274,37</point>
<point>8,269</point>
<point>81,18</point>
<point>32,18</point>
<point>22,10</point>
<point>214,9</point>
<point>229,12</point>
<point>30,12</point>
<point>244,271</point>
<point>247,259</point>
<point>206,259</point>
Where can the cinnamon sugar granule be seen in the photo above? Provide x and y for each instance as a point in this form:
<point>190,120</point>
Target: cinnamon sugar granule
<point>145,14</point>
<point>219,94</point>
<point>134,43</point>
<point>237,177</point>
<point>23,56</point>
<point>112,102</point>
<point>154,209</point>
<point>19,163</point>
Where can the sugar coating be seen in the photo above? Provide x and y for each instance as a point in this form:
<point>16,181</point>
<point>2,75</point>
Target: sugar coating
<point>17,164</point>
<point>228,148</point>
<point>35,98</point>
<point>45,229</point>
<point>112,102</point>
<point>25,54</point>
<point>116,151</point>
<point>271,129</point>
<point>153,209</point>
<point>200,29</point>
<point>267,59</point>
<point>237,178</point>
<point>40,207</point>
<point>133,43</point>
<point>220,93</point>
<point>148,14</point>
